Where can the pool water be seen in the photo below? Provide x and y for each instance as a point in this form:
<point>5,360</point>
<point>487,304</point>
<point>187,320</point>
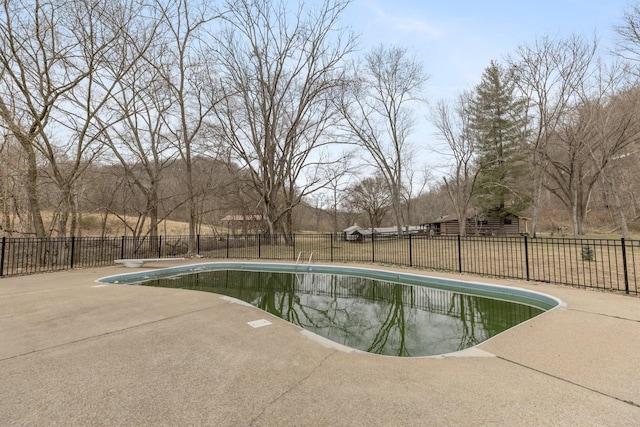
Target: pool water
<point>368,314</point>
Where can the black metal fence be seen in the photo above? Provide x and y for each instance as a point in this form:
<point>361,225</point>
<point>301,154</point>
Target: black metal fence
<point>611,264</point>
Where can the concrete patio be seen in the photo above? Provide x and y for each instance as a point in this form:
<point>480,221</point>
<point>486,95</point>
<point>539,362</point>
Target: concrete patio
<point>77,353</point>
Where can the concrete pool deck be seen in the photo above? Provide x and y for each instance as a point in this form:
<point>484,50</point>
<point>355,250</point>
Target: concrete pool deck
<point>74,352</point>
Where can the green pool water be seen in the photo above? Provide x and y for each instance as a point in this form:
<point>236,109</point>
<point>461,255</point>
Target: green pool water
<point>368,314</point>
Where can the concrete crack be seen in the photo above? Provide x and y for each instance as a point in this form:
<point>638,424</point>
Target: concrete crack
<point>104,334</point>
<point>290,389</point>
<point>628,402</point>
<point>605,315</point>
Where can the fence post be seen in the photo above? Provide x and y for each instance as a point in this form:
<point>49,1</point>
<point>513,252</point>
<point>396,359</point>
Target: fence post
<point>526,255</point>
<point>198,244</point>
<point>459,255</point>
<point>2,248</point>
<point>624,267</point>
<point>73,250</point>
<point>410,252</point>
<point>227,245</point>
<point>159,246</point>
<point>373,247</point>
<point>331,242</point>
<point>122,249</point>
<point>293,243</point>
<point>259,247</point>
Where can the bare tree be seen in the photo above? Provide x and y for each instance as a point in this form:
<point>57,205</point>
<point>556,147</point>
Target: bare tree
<point>628,46</point>
<point>338,175</point>
<point>12,169</point>
<point>36,70</point>
<point>629,49</point>
<point>378,113</point>
<point>371,196</point>
<point>414,183</point>
<point>549,73</point>
<point>57,64</point>
<point>141,141</point>
<point>598,129</point>
<point>280,70</point>
<point>103,186</point>
<point>452,123</point>
<point>184,61</point>
<point>617,129</point>
<point>113,37</point>
<point>435,203</point>
<point>620,189</point>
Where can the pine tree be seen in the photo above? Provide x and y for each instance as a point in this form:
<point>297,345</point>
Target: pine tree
<point>499,129</point>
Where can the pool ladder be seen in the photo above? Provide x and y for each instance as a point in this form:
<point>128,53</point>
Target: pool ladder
<point>308,263</point>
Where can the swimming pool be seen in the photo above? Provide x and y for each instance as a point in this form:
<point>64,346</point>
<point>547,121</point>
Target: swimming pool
<point>377,311</point>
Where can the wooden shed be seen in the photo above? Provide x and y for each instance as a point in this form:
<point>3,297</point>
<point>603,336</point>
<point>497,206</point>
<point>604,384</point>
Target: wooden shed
<point>355,233</point>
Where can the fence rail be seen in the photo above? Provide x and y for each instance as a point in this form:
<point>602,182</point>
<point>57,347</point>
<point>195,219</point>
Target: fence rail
<point>609,264</point>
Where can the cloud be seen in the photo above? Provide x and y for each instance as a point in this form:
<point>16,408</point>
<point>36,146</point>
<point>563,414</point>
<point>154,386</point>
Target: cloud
<point>405,24</point>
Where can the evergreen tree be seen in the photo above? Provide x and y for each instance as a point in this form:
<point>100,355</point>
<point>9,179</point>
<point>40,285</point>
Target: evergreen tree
<point>499,129</point>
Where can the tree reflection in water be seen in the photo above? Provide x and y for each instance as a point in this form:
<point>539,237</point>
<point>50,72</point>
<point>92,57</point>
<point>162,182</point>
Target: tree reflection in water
<point>370,315</point>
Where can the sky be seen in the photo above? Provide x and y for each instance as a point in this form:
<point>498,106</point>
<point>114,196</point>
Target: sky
<point>457,39</point>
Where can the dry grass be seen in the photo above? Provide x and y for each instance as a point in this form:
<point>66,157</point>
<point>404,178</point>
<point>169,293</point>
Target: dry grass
<point>92,225</point>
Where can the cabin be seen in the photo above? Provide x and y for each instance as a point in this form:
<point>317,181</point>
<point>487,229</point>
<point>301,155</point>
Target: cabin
<point>449,225</point>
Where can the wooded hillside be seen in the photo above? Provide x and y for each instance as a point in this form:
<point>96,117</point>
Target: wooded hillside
<point>143,112</point>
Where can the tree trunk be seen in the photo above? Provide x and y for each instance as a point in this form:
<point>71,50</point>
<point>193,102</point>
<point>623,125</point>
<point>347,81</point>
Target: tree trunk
<point>535,202</point>
<point>618,208</point>
<point>66,208</point>
<point>6,218</point>
<point>459,207</point>
<point>574,207</point>
<point>76,217</point>
<point>31,185</point>
<point>397,208</point>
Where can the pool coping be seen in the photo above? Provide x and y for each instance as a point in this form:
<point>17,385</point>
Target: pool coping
<point>523,296</point>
